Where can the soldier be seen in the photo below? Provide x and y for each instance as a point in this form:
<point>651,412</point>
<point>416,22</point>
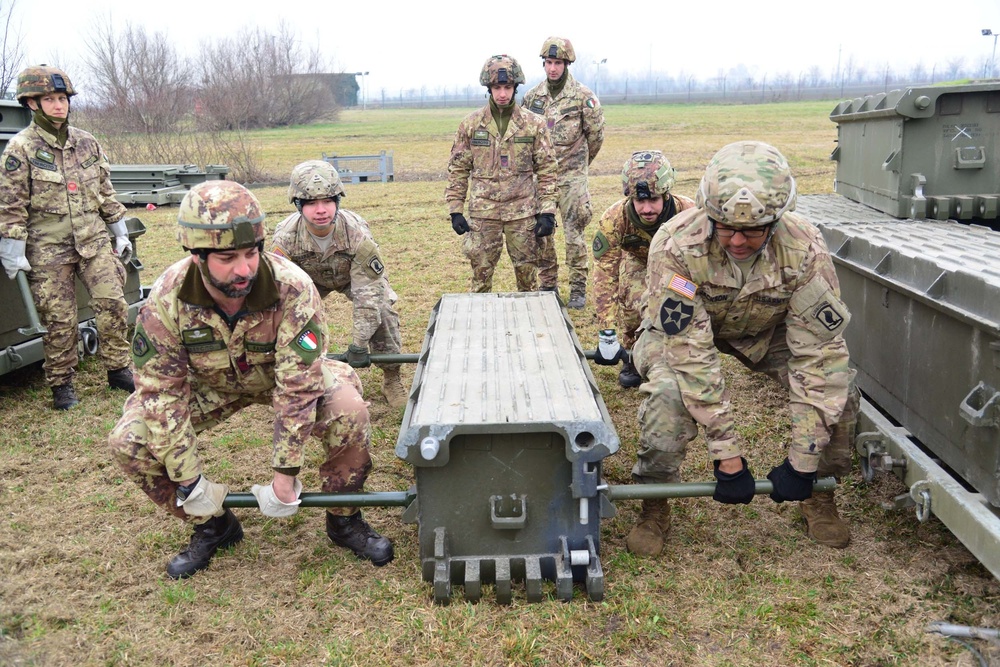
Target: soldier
<point>502,159</point>
<point>743,275</point>
<point>335,247</point>
<point>576,123</point>
<point>621,249</point>
<point>59,220</point>
<point>227,327</point>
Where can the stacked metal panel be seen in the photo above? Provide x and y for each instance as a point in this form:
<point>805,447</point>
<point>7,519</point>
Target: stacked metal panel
<point>160,184</point>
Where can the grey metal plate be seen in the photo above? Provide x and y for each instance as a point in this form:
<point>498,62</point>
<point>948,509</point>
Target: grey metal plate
<point>503,358</point>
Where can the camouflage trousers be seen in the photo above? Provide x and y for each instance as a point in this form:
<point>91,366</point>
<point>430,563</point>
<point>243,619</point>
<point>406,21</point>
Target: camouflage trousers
<point>53,286</point>
<point>631,285</point>
<point>576,214</point>
<point>483,244</point>
<point>341,425</point>
<point>666,426</point>
<point>386,338</point>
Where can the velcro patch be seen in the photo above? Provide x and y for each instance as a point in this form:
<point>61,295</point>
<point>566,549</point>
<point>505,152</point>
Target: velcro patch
<point>600,244</point>
<point>537,106</point>
<point>480,138</point>
<point>308,344</point>
<point>197,336</point>
<point>11,163</point>
<point>681,285</point>
<point>45,156</point>
<point>828,316</point>
<point>376,265</point>
<point>89,161</point>
<point>142,350</point>
<point>592,102</point>
<point>47,166</point>
<point>524,140</point>
<point>675,316</point>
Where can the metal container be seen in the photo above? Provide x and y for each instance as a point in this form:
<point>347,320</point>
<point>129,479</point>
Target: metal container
<point>925,335</point>
<point>20,346</point>
<point>931,152</point>
<point>506,431</point>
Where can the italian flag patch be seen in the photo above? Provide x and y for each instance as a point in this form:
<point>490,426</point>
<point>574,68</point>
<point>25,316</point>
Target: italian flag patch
<point>308,341</point>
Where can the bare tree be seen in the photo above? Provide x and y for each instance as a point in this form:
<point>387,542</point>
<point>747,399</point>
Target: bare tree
<point>11,46</point>
<point>260,79</point>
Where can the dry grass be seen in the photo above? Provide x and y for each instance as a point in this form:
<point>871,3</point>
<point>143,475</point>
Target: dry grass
<point>82,551</point>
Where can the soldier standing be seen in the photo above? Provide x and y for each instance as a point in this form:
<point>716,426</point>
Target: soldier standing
<point>227,327</point>
<point>576,123</point>
<point>621,250</point>
<point>335,247</point>
<point>502,159</point>
<point>59,220</point>
<point>743,275</point>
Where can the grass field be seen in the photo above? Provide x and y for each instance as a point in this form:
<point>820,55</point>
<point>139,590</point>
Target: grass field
<point>82,551</point>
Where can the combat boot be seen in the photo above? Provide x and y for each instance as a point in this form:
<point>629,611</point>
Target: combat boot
<point>577,299</point>
<point>217,533</point>
<point>650,531</point>
<point>121,379</point>
<point>628,376</point>
<point>64,397</point>
<point>392,387</point>
<point>824,523</point>
<point>354,533</point>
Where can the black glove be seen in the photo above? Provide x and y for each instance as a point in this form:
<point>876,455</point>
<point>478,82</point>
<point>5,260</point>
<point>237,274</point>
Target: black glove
<point>545,224</point>
<point>734,488</point>
<point>609,350</point>
<point>459,223</point>
<point>357,356</point>
<point>790,484</point>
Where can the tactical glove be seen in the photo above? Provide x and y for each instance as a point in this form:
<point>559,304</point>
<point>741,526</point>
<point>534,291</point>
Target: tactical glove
<point>545,224</point>
<point>789,483</point>
<point>12,257</point>
<point>609,350</point>
<point>123,247</point>
<point>357,356</point>
<point>270,505</point>
<point>734,488</point>
<point>459,223</point>
<point>202,499</point>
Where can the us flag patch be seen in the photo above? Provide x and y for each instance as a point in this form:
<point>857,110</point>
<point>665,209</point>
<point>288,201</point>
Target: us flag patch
<point>279,252</point>
<point>682,286</point>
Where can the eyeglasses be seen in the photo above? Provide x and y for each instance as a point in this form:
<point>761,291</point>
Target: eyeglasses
<point>751,233</point>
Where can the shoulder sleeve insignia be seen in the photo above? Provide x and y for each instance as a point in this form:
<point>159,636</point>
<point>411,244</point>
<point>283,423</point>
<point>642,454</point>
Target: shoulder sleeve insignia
<point>309,342</point>
<point>376,265</point>
<point>11,163</point>
<point>142,350</point>
<point>592,103</point>
<point>277,250</point>
<point>681,285</point>
<point>600,244</point>
<point>675,316</point>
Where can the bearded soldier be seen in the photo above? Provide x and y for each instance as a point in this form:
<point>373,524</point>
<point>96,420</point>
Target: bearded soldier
<point>576,123</point>
<point>743,275</point>
<point>621,249</point>
<point>335,247</point>
<point>59,221</point>
<point>224,328</point>
<point>502,161</point>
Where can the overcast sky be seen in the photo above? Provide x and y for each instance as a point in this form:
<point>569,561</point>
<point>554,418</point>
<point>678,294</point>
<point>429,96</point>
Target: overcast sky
<point>443,43</point>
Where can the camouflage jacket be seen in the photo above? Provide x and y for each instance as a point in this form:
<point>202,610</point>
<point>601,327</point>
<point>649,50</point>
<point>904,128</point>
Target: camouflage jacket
<point>351,266</point>
<point>616,237</point>
<point>56,199</point>
<point>498,174</point>
<point>184,352</point>
<point>576,123</point>
<point>694,300</point>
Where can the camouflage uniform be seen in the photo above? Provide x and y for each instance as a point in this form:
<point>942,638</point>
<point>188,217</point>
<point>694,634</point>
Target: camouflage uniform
<point>576,124</point>
<point>785,319</point>
<point>508,180</point>
<point>351,266</point>
<point>58,199</point>
<point>193,371</point>
<point>621,250</point>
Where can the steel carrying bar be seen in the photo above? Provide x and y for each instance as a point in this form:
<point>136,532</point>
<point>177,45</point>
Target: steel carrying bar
<point>404,358</point>
<point>614,492</point>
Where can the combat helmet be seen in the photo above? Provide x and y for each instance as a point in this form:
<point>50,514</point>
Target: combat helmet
<point>314,179</point>
<point>558,47</point>
<point>220,215</point>
<point>747,184</point>
<point>501,69</point>
<point>647,174</point>
<point>40,80</point>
